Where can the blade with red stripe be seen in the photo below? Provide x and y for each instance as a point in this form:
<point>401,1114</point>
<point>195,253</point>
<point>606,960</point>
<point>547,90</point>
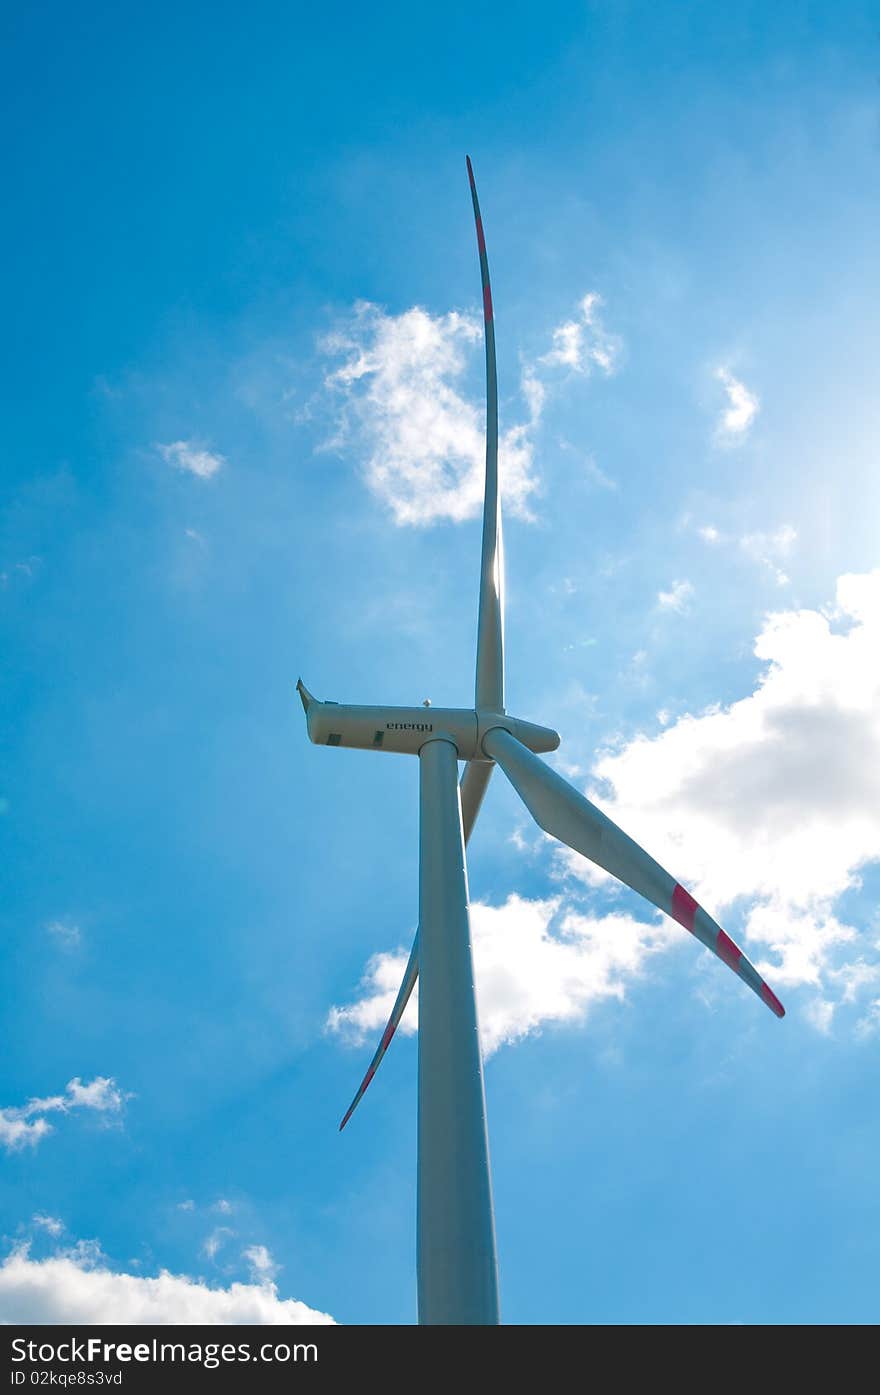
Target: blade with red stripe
<point>568,816</point>
<point>409,982</point>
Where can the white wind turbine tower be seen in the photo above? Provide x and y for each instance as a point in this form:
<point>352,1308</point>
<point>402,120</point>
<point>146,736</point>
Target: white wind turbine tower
<point>456,1261</point>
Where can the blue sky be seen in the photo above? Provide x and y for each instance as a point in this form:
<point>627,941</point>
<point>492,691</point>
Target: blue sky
<point>240,265</point>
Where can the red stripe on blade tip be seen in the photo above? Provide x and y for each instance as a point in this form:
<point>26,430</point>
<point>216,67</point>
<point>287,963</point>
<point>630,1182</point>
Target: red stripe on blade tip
<point>727,950</point>
<point>684,908</point>
<point>771,1000</point>
<point>487,302</point>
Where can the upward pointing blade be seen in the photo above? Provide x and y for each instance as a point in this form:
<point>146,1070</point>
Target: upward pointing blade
<point>566,815</point>
<point>472,788</point>
<point>490,624</point>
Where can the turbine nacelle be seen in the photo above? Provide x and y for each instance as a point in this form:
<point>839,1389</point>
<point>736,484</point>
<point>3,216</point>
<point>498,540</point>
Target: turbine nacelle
<point>405,730</point>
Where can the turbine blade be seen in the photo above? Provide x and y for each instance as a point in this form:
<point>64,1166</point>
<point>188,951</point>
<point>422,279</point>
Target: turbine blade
<point>472,788</point>
<point>568,816</point>
<point>403,996</point>
<point>490,624</point>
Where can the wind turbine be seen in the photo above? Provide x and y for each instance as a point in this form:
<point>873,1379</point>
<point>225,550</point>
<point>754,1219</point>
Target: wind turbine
<point>456,1259</point>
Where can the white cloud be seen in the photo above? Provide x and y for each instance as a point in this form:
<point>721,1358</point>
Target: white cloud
<point>773,802</point>
<point>399,385</point>
<point>677,597</point>
<point>583,343</point>
<point>65,931</point>
<point>534,392</point>
<point>193,458</point>
<point>741,410</point>
<point>25,1125</point>
<point>820,1012</point>
<point>770,548</point>
<point>81,1289</point>
<point>16,1132</point>
<point>589,466</point>
<point>535,962</point>
<point>870,1022</point>
<point>101,1093</point>
<point>223,1206</point>
<point>538,962</point>
<point>262,1266</point>
<point>21,572</point>
<point>86,1253</point>
<point>188,1205</point>
<point>215,1240</point>
<point>50,1224</point>
<point>425,440</point>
